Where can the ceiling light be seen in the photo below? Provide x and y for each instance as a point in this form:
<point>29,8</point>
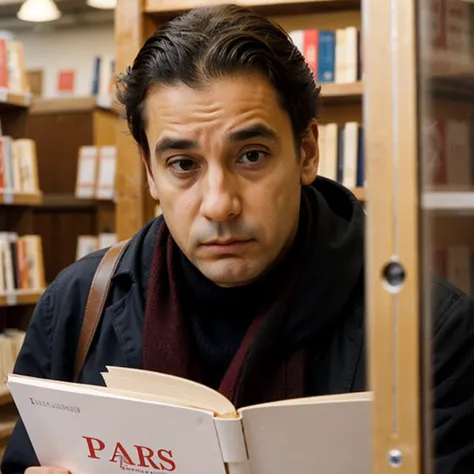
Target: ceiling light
<point>38,10</point>
<point>102,4</point>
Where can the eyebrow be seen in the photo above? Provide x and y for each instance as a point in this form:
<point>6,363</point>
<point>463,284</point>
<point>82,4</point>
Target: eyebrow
<point>247,133</point>
<point>253,131</point>
<point>169,143</point>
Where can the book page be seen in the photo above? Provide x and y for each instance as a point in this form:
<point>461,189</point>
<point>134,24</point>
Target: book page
<point>91,430</point>
<point>330,437</point>
<point>183,392</point>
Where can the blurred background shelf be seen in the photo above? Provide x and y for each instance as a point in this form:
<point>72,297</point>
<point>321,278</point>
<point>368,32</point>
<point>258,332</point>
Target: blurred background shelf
<point>20,199</point>
<point>342,92</point>
<point>19,298</point>
<point>448,200</point>
<point>10,100</point>
<point>166,8</point>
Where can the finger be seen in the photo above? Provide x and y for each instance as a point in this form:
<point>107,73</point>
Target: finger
<point>47,470</point>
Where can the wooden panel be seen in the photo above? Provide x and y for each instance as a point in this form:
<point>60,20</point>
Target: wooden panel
<point>320,20</point>
<point>170,7</point>
<point>58,138</point>
<point>333,92</point>
<point>392,224</point>
<point>14,101</point>
<point>20,199</point>
<point>104,128</point>
<point>63,105</point>
<point>341,113</point>
<point>131,27</point>
<point>59,232</point>
<point>105,217</point>
<point>14,122</point>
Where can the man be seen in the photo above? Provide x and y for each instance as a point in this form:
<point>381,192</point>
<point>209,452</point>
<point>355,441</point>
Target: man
<point>253,282</point>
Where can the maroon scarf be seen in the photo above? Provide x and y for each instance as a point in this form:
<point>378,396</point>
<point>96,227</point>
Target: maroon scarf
<point>168,349</point>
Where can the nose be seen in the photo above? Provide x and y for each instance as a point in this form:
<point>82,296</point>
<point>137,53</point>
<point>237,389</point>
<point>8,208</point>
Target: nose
<point>220,199</point>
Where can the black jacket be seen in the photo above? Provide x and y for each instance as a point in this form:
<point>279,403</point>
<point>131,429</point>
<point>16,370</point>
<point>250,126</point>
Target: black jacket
<point>327,316</point>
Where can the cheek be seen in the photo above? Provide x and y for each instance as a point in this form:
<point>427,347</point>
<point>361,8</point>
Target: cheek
<point>274,207</point>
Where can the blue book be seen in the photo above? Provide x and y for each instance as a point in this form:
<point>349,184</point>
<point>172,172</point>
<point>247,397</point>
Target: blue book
<point>326,56</point>
<point>96,75</point>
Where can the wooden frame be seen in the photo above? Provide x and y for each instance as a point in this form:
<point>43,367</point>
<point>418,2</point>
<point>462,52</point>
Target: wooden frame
<point>390,107</point>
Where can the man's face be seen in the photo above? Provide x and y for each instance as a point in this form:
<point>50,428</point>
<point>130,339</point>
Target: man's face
<point>224,168</point>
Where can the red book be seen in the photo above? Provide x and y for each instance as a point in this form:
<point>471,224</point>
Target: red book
<point>3,63</point>
<point>310,49</point>
<point>66,81</point>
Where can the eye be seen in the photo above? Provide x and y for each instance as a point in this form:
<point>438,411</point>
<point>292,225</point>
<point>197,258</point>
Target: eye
<point>253,157</point>
<point>183,165</point>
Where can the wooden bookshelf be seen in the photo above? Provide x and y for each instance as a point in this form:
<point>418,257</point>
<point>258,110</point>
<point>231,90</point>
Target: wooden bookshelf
<point>19,298</point>
<point>10,100</point>
<point>62,217</point>
<point>20,199</point>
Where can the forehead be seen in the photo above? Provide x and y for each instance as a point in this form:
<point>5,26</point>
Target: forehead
<point>219,106</point>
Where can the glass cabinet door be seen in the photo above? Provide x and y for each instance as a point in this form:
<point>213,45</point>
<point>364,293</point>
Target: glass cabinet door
<point>419,122</point>
<point>445,48</point>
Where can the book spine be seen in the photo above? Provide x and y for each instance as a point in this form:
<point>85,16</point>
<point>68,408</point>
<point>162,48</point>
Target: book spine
<point>232,442</point>
<point>310,49</point>
<point>327,56</point>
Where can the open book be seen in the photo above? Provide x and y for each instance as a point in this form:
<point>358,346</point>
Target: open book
<point>147,422</point>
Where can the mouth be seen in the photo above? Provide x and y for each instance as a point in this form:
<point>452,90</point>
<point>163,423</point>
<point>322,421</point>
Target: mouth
<point>227,242</point>
<point>229,246</point>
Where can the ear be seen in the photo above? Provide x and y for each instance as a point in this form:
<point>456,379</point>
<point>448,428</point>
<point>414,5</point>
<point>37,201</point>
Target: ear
<point>309,154</point>
<point>149,176</point>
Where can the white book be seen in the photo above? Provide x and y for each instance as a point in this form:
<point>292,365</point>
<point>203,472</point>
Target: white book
<point>351,46</point>
<point>351,148</point>
<point>150,422</point>
<point>86,171</point>
<point>86,244</point>
<point>330,151</point>
<point>105,185</point>
<point>341,56</point>
<point>297,36</point>
<point>8,262</point>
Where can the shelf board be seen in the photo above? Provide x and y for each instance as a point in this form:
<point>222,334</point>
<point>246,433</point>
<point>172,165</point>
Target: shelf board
<point>72,104</point>
<point>9,100</point>
<point>70,201</point>
<point>20,297</point>
<point>333,91</point>
<point>20,199</point>
<point>359,193</point>
<point>169,8</point>
<point>448,200</point>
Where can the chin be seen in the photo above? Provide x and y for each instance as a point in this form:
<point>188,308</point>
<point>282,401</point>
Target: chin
<point>227,273</point>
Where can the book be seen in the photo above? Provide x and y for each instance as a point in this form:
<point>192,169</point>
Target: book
<point>149,422</point>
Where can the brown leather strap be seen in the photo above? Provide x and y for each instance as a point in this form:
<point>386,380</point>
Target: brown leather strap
<point>96,301</point>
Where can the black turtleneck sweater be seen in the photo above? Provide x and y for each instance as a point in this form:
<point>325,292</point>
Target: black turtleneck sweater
<point>219,317</point>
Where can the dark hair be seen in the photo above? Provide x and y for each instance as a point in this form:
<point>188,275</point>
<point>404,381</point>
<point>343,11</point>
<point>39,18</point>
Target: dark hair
<point>214,42</point>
